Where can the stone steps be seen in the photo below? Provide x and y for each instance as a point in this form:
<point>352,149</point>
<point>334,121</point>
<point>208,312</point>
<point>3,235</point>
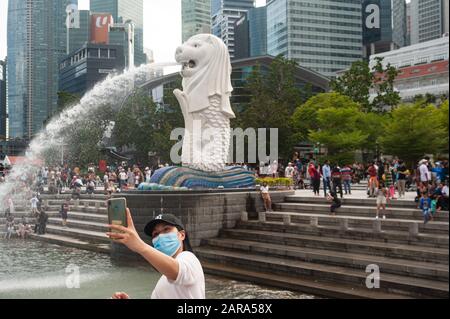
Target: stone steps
<point>404,267</point>
<point>81,202</point>
<point>390,283</point>
<point>398,203</point>
<point>56,208</point>
<point>89,209</point>
<point>388,236</point>
<point>91,236</point>
<point>80,224</point>
<point>432,227</point>
<point>372,248</point>
<point>362,211</point>
<point>97,218</point>
<point>72,242</point>
<point>305,285</point>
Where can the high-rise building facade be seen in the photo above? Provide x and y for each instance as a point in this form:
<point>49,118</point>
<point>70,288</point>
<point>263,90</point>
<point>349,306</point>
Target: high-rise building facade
<point>384,26</point>
<point>81,34</point>
<point>241,38</point>
<point>122,11</point>
<point>429,19</point>
<point>322,35</point>
<point>250,33</point>
<point>224,14</point>
<point>3,99</point>
<point>36,42</point>
<point>88,65</point>
<point>408,24</point>
<point>195,17</point>
<point>258,31</point>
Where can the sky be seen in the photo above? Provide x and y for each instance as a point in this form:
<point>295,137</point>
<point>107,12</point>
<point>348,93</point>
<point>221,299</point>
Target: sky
<point>162,26</point>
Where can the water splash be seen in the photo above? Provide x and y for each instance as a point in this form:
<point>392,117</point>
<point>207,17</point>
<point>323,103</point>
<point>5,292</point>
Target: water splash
<point>110,91</point>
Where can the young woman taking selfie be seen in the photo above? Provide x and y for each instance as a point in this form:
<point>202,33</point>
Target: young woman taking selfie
<point>170,254</point>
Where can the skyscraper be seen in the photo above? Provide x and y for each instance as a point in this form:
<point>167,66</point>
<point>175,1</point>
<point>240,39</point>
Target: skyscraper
<point>195,17</point>
<point>325,35</point>
<point>3,110</point>
<point>384,26</point>
<point>80,35</point>
<point>122,11</point>
<point>36,42</point>
<point>250,33</point>
<point>429,19</point>
<point>258,31</point>
<point>224,14</point>
<point>241,38</point>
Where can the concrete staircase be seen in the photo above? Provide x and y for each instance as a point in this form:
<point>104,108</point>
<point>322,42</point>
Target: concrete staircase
<point>300,246</point>
<point>86,223</point>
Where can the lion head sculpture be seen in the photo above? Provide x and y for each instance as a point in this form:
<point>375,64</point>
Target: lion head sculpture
<point>206,71</point>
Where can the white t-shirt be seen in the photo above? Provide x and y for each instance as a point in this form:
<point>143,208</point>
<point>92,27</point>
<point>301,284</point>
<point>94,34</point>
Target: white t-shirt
<point>445,190</point>
<point>424,173</point>
<point>34,202</point>
<point>190,283</point>
<point>264,190</point>
<point>289,172</point>
<point>123,176</point>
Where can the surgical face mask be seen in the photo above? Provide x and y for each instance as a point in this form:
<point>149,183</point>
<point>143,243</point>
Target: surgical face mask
<point>167,243</point>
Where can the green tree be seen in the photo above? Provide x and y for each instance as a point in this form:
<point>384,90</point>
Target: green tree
<point>355,83</point>
<point>442,118</point>
<point>305,117</point>
<point>414,130</point>
<point>384,86</point>
<point>360,80</point>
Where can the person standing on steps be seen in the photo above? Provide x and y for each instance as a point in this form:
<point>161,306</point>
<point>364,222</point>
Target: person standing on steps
<point>170,254</point>
<point>34,201</point>
<point>336,178</point>
<point>347,176</point>
<point>381,200</point>
<point>402,175</point>
<point>373,179</point>
<point>289,172</point>
<point>314,175</point>
<point>266,197</point>
<point>326,176</point>
<point>64,212</point>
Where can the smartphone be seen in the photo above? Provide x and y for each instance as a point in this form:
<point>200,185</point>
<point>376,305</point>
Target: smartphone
<point>117,212</point>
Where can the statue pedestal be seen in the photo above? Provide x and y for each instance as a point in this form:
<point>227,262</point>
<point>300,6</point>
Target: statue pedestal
<point>231,177</point>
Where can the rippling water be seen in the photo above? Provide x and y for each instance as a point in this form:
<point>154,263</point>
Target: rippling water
<point>32,269</point>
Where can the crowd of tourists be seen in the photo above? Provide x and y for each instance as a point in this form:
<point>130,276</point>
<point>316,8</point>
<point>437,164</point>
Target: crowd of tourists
<point>386,180</point>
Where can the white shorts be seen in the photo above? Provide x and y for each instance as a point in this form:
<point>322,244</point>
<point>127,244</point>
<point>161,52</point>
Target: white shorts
<point>381,200</point>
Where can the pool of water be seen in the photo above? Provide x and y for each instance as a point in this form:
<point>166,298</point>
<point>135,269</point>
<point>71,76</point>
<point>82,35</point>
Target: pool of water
<point>37,270</point>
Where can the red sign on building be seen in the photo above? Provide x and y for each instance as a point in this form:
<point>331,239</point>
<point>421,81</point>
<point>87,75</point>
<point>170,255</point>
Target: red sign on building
<point>100,28</point>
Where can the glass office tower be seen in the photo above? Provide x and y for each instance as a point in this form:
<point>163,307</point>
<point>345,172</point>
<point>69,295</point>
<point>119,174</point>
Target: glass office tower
<point>36,42</point>
<point>195,17</point>
<point>322,35</point>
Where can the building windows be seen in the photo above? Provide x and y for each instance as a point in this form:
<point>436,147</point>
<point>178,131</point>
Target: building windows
<point>93,53</point>
<point>422,60</point>
<point>104,53</point>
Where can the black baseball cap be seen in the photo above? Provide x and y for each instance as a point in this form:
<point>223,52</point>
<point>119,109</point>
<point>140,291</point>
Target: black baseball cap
<point>168,218</point>
<point>171,220</point>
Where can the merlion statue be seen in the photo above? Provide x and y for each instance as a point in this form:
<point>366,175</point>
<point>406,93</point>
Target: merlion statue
<point>205,102</point>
